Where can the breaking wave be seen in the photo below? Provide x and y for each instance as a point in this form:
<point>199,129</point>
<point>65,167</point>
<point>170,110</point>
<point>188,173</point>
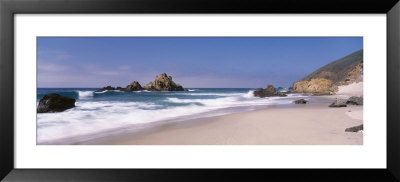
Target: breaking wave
<point>98,112</point>
<point>85,94</point>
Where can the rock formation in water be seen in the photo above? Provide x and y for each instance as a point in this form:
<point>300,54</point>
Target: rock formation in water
<point>270,91</point>
<point>55,103</point>
<point>326,79</point>
<point>163,82</point>
<point>108,88</point>
<point>134,86</point>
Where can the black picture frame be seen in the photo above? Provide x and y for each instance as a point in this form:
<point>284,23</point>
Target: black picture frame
<point>8,8</point>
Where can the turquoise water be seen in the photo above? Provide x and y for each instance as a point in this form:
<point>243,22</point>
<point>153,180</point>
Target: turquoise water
<point>114,110</point>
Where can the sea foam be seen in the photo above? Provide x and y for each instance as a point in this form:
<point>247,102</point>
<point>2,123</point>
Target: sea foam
<point>85,94</point>
<point>94,117</point>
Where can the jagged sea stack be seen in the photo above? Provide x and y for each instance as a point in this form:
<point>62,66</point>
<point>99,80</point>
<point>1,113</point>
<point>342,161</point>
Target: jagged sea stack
<point>163,82</point>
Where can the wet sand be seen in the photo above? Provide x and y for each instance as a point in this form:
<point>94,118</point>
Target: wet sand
<point>308,124</point>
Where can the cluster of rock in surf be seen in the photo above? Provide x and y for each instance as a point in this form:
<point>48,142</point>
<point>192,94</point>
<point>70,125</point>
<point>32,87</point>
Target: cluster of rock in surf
<point>58,103</point>
<point>163,82</point>
<point>270,91</point>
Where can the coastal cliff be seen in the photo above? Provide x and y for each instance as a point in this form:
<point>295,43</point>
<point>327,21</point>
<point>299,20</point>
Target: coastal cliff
<point>316,86</point>
<point>326,79</point>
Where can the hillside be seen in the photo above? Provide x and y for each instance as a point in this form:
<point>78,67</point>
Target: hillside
<point>325,80</point>
<point>337,70</point>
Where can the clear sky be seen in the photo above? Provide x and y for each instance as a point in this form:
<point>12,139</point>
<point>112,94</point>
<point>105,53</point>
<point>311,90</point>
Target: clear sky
<point>208,62</point>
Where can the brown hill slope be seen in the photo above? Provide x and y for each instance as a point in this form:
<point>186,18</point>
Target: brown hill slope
<point>325,80</point>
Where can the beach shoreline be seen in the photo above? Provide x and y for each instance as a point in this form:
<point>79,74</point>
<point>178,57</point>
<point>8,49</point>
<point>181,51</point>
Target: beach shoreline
<point>308,124</point>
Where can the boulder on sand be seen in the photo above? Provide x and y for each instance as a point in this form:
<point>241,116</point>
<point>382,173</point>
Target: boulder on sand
<point>355,100</point>
<point>300,101</point>
<point>55,103</point>
<point>270,91</point>
<point>163,82</point>
<point>338,103</point>
<point>355,128</point>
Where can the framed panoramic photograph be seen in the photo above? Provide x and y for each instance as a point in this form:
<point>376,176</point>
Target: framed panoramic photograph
<point>157,91</point>
<point>212,98</point>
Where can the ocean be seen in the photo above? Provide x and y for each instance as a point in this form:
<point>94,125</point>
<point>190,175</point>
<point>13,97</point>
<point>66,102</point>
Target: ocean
<point>96,114</point>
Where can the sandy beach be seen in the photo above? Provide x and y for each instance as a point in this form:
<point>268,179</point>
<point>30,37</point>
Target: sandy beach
<point>280,123</point>
<point>309,124</point>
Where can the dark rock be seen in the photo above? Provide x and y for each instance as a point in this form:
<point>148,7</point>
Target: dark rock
<point>108,88</point>
<point>163,82</point>
<point>55,103</point>
<point>270,91</point>
<point>338,103</point>
<point>300,101</point>
<point>121,89</point>
<point>355,101</point>
<point>134,86</point>
<point>355,128</point>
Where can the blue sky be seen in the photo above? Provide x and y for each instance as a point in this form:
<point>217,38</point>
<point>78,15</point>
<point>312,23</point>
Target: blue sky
<point>213,62</point>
